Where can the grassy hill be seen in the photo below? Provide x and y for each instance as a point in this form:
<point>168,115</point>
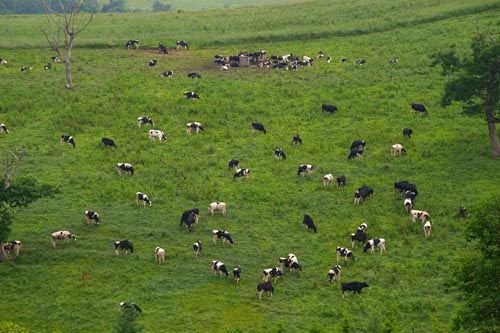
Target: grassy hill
<point>77,286</point>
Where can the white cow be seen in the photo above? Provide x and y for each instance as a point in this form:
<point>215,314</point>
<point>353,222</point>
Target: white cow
<point>157,134</point>
<point>160,254</point>
<point>217,206</point>
<point>398,149</point>
<point>328,179</point>
<point>419,214</point>
<point>61,235</point>
<point>427,229</point>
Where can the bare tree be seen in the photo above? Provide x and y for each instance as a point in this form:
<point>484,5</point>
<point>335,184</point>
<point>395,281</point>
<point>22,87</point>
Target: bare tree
<point>65,16</point>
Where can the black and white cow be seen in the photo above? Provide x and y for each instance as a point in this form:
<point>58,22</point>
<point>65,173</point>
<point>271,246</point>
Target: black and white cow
<point>358,144</point>
<point>91,215</point>
<point>14,245</point>
<point>328,108</point>
<point>124,167</point>
<point>3,61</point>
<point>153,62</point>
<point>373,243</point>
<point>129,305</point>
<point>162,48</point>
<point>237,274</point>
<point>296,140</point>
<point>64,235</point>
<point>292,263</point>
<point>427,229</point>
<point>159,254</point>
<point>334,273</point>
<point>196,126</point>
<point>408,204</point>
<point>411,195</point>
<point>25,69</point>
<point>194,75</point>
<point>355,153</point>
<point>258,127</point>
<point>274,272</point>
<point>132,43</point>
<point>398,149</point>
<point>157,134</point>
<point>305,168</point>
<point>344,253</point>
<point>420,215</point>
<point>191,94</point>
<point>403,186</point>
<point>362,194</point>
<point>47,66</point>
<point>279,154</point>
<point>462,211</point>
<point>360,62</point>
<point>218,266</point>
<point>308,221</point>
<point>189,218</point>
<point>105,142</point>
<point>197,248</point>
<point>123,245</point>
<point>68,139</point>
<point>3,128</point>
<point>145,121</point>
<point>356,287</point>
<point>182,43</point>
<point>221,234</point>
<point>341,181</point>
<point>167,74</point>
<point>217,206</point>
<point>139,196</point>
<point>418,108</point>
<point>242,173</point>
<point>328,179</point>
<point>407,132</point>
<point>55,59</point>
<point>267,287</point>
<point>359,235</point>
<point>233,164</point>
<point>394,60</point>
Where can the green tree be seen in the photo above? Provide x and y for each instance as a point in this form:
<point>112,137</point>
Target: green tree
<point>475,80</point>
<point>161,7</point>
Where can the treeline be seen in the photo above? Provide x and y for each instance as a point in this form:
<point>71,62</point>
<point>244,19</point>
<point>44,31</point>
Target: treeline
<point>10,7</point>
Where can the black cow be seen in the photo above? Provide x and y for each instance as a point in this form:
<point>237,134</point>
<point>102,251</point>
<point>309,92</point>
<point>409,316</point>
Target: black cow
<point>328,108</point>
<point>403,186</point>
<point>197,248</point>
<point>259,127</point>
<point>359,236</point>
<point>355,153</point>
<point>334,273</point>
<point>363,193</point>
<point>308,221</point>
<point>344,253</point>
<point>358,144</point>
<point>128,305</point>
<point>353,286</point>
<point>145,121</point>
<point>237,274</point>
<point>462,211</point>
<point>167,74</point>
<point>91,215</point>
<point>68,139</point>
<point>418,107</point>
<point>341,180</point>
<point>153,62</point>
<point>162,48</point>
<point>221,234</point>
<point>190,217</point>
<point>242,173</point>
<point>123,245</point>
<point>296,140</point>
<point>182,43</point>
<point>194,75</point>
<point>47,67</point>
<point>305,168</point>
<point>279,154</point>
<point>3,128</point>
<point>124,167</point>
<point>191,94</point>
<point>267,286</point>
<point>233,164</point>
<point>132,43</point>
<point>218,266</point>
<point>407,132</point>
<point>274,272</point>
<point>105,142</point>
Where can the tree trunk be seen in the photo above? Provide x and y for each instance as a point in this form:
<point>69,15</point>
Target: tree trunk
<point>492,132</point>
<point>69,80</point>
<point>3,255</point>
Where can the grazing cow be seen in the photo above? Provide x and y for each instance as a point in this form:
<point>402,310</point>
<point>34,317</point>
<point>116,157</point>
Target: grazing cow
<point>55,59</point>
<point>353,286</point>
<point>217,206</point>
<point>407,132</point>
<point>124,167</point>
<point>153,62</point>
<point>343,59</point>
<point>221,234</point>
<point>355,153</point>
<point>191,94</point>
<point>3,61</point>
<point>363,193</point>
<point>61,235</point>
<point>344,253</point>
<point>157,134</point>
<point>68,139</point>
<point>123,245</point>
<point>308,221</point>
<point>334,273</point>
<point>418,107</point>
<point>305,168</point>
<point>296,140</point>
<point>237,274</point>
<point>279,154</point>
<point>233,164</point>
<point>47,67</point>
<point>196,126</point>
<point>394,60</point>
<point>327,179</point>
<point>411,195</point>
<point>329,60</point>
<point>190,217</point>
<point>194,75</point>
<point>105,142</point>
<point>360,61</point>
<point>360,235</point>
<point>145,121</point>
<point>159,254</point>
<point>139,196</point>
<point>267,286</point>
<point>341,180</point>
<point>162,48</point>
<point>91,215</point>
<point>3,128</point>
<point>408,203</point>
<point>321,54</point>
<point>167,74</point>
<point>259,127</point>
<point>132,43</point>
<point>274,272</point>
<point>128,305</point>
<point>182,43</point>
<point>218,266</point>
<point>427,229</point>
<point>197,248</point>
<point>419,214</point>
<point>242,173</point>
<point>328,108</point>
<point>25,69</point>
<point>403,186</point>
<point>14,245</point>
<point>372,243</point>
<point>361,145</point>
<point>398,149</point>
<point>462,211</point>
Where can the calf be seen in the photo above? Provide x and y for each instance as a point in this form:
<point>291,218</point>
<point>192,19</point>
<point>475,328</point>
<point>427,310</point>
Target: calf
<point>3,128</point>
<point>167,74</point>
<point>398,149</point>
<point>372,243</point>
<point>407,132</point>
<point>132,43</point>
<point>217,206</point>
<point>197,248</point>
<point>418,108</point>
<point>308,221</point>
<point>242,173</point>
<point>162,48</point>
<point>327,179</point>
<point>194,75</point>
<point>233,164</point>
<point>334,273</point>
<point>221,234</point>
<point>267,286</point>
<point>14,245</point>
<point>296,140</point>
<point>123,245</point>
<point>355,153</point>
<point>363,193</point>
<point>159,254</point>
<point>218,266</point>
<point>139,196</point>
<point>182,43</point>
<point>64,235</point>
<point>105,142</point>
<point>124,167</point>
<point>153,134</point>
<point>190,217</point>
<point>237,274</point>
<point>408,203</point>
<point>361,145</point>
<point>356,287</point>
<point>344,253</point>
<point>144,121</point>
<point>191,94</point>
<point>305,168</point>
<point>341,180</point>
<point>274,272</point>
<point>419,214</point>
<point>427,229</point>
<point>68,139</point>
<point>258,127</point>
<point>128,305</point>
<point>197,127</point>
<point>328,108</point>
<point>279,154</point>
<point>91,215</point>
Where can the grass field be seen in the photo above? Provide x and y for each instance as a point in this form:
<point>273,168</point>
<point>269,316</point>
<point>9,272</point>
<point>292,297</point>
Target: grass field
<point>77,286</point>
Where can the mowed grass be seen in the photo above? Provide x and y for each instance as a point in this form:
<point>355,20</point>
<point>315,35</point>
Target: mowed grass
<point>77,286</point>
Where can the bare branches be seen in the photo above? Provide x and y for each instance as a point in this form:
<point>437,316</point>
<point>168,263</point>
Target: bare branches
<point>9,165</point>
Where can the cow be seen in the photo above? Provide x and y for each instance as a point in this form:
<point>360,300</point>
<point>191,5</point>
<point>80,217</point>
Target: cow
<point>145,121</point>
<point>217,206</point>
<point>3,128</point>
<point>157,134</point>
<point>418,108</point>
<point>47,66</point>
<point>329,60</point>
<point>153,62</point>
<point>394,60</point>
<point>291,262</point>
<point>159,254</point>
<point>327,179</point>
<point>124,167</point>
<point>139,196</point>
<point>344,253</point>
<point>407,132</point>
<point>361,145</point>
<point>462,211</point>
<point>237,274</point>
<point>196,126</point>
<point>267,286</point>
<point>197,248</point>
<point>355,153</point>
<point>68,139</point>
<point>362,194</point>
<point>341,180</point>
<point>14,245</point>
<point>320,54</point>
<point>404,186</point>
<point>398,149</point>
<point>167,74</point>
<point>359,236</point>
<point>411,195</point>
<point>132,306</point>
<point>328,108</point>
<point>296,140</point>
<point>408,204</point>
<point>376,242</point>
<point>190,217</point>
<point>419,214</point>
<point>123,245</point>
<point>242,173</point>
<point>305,168</point>
<point>194,75</point>
<point>105,142</point>
<point>308,221</point>
<point>233,164</point>
<point>91,215</point>
<point>258,127</point>
<point>343,59</point>
<point>360,62</point>
<point>3,61</point>
<point>55,59</point>
<point>218,266</point>
<point>182,43</point>
<point>334,273</point>
<point>191,94</point>
<point>221,234</point>
<point>64,235</point>
<point>162,48</point>
<point>25,69</point>
<point>279,154</point>
<point>356,287</point>
<point>274,272</point>
<point>132,43</point>
<point>427,229</point>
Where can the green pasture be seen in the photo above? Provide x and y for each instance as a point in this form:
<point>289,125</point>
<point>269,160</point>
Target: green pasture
<point>77,286</point>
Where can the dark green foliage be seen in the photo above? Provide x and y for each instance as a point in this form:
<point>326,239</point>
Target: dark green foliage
<point>161,7</point>
<point>24,191</point>
<point>127,321</point>
<point>114,6</point>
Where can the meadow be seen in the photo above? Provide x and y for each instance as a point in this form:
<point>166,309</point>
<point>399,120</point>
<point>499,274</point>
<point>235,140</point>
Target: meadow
<point>77,286</point>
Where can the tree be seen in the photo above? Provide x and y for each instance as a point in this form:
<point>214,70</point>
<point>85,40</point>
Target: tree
<point>65,16</point>
<point>478,276</point>
<point>161,7</point>
<point>475,80</point>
